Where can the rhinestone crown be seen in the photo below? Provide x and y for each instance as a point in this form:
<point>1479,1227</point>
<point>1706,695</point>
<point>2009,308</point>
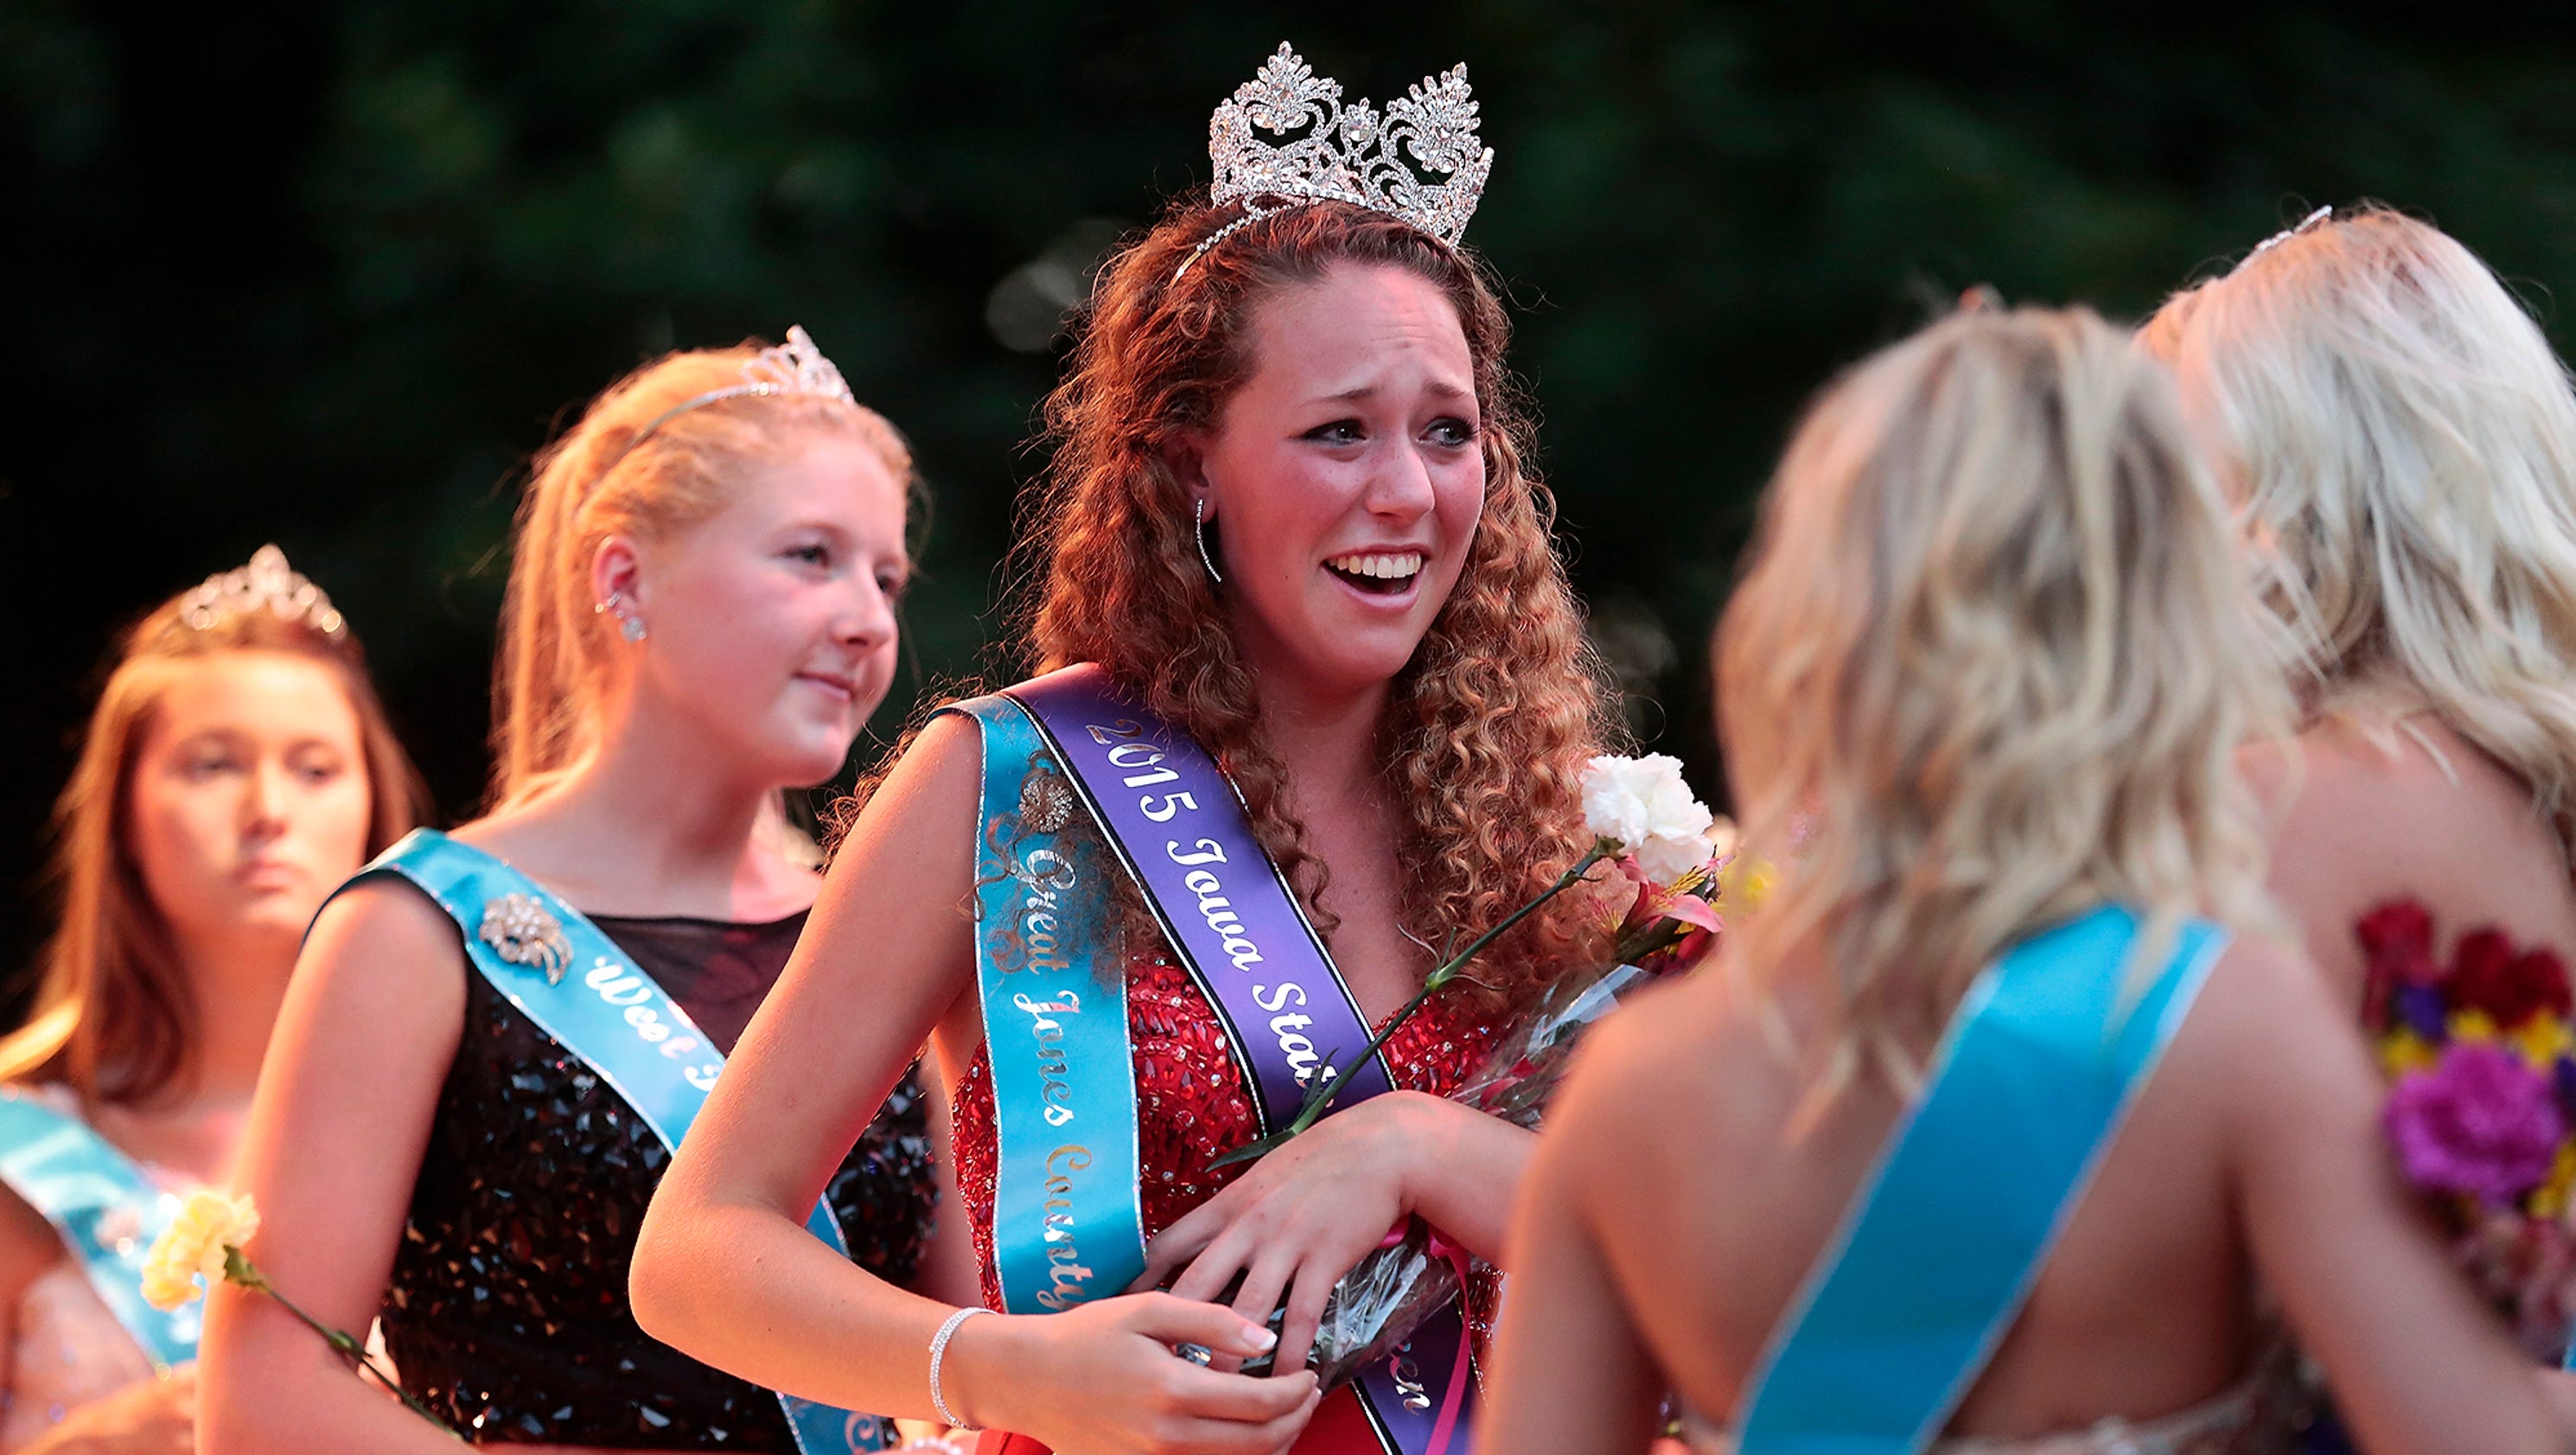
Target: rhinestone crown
<point>266,584</point>
<point>2309,223</point>
<point>1350,153</point>
<point>794,367</point>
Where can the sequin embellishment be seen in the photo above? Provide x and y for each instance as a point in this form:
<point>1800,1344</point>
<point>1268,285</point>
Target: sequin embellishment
<point>506,1310</point>
<point>1193,1102</point>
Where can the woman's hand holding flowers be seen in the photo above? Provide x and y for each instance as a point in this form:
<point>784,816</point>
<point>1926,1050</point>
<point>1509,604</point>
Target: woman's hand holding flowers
<point>1307,1213</point>
<point>1102,1378</point>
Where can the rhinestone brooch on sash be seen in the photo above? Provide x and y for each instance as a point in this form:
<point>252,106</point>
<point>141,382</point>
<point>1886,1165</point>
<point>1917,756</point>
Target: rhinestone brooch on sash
<point>1046,801</point>
<point>519,930</point>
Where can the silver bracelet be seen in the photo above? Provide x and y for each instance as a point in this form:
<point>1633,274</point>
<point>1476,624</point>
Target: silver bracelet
<point>939,1351</point>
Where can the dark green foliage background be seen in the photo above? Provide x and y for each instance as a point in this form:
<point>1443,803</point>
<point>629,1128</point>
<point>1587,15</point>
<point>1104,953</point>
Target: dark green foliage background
<point>328,274</point>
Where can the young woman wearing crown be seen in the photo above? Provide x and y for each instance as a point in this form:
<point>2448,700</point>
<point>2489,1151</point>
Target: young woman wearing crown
<point>494,1039</point>
<point>237,767</point>
<point>1287,550</point>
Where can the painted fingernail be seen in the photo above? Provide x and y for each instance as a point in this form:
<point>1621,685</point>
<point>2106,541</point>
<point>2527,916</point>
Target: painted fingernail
<point>1261,1338</point>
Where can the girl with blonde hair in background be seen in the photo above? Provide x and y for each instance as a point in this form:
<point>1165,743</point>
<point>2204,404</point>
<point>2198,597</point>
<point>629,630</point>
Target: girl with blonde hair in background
<point>1980,1131</point>
<point>495,1039</point>
<point>237,767</point>
<point>2401,442</point>
<point>1288,548</point>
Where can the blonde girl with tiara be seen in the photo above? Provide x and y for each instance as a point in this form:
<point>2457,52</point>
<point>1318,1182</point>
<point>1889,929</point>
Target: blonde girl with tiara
<point>495,1039</point>
<point>2402,444</point>
<point>237,767</point>
<point>1985,1125</point>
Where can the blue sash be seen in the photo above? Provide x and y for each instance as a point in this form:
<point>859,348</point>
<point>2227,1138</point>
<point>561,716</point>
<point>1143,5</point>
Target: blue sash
<point>1937,1254</point>
<point>107,1212</point>
<point>568,977</point>
<point>1065,1233</point>
<point>1068,1215</point>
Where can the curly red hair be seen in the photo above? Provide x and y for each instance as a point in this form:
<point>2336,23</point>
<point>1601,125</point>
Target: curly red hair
<point>1487,728</point>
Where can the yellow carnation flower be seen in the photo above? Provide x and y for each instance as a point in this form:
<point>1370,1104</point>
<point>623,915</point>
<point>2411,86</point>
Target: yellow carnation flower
<point>1745,882</point>
<point>209,1223</point>
<point>2404,1051</point>
<point>2541,1040</point>
<point>2550,1198</point>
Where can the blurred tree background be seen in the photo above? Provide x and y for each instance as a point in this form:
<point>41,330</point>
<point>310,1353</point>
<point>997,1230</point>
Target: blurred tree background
<point>328,274</point>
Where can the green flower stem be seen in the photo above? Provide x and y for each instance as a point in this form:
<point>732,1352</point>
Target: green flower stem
<point>1327,1086</point>
<point>241,1271</point>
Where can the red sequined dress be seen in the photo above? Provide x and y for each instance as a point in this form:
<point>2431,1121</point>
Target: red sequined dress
<point>1192,1105</point>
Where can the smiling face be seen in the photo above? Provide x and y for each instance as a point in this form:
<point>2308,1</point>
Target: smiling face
<point>1344,479</point>
<point>770,625</point>
<point>249,798</point>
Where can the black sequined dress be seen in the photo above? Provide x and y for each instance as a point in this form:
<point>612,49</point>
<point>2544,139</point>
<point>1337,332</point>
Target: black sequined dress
<point>507,1309</point>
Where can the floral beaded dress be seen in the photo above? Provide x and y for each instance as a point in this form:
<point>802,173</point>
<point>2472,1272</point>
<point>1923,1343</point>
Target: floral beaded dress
<point>1193,1105</point>
<point>507,1310</point>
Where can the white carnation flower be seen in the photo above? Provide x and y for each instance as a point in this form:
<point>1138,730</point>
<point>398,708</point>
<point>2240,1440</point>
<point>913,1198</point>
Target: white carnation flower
<point>1664,860</point>
<point>1643,805</point>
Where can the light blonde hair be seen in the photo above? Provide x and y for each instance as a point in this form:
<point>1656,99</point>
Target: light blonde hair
<point>2404,442</point>
<point>601,480</point>
<point>1995,643</point>
<point>113,1016</point>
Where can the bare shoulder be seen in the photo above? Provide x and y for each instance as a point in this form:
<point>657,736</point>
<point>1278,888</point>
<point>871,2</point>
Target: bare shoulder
<point>2269,1032</point>
<point>2413,774</point>
<point>385,940</point>
<point>1685,1054</point>
<point>896,906</point>
<point>2329,775</point>
<point>923,815</point>
<point>943,771</point>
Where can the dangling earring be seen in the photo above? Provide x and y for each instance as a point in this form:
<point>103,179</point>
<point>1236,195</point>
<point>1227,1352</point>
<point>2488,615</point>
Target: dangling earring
<point>1198,527</point>
<point>629,625</point>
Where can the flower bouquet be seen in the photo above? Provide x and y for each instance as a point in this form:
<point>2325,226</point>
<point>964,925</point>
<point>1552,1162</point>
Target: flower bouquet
<point>1643,819</point>
<point>2482,1110</point>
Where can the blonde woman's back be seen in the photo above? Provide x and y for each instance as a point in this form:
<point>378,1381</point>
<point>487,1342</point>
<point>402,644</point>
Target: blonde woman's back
<point>1996,645</point>
<point>2410,810</point>
<point>2146,1315</point>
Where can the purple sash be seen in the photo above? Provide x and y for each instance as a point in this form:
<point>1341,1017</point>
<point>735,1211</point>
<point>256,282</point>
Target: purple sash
<point>1173,819</point>
<point>1176,823</point>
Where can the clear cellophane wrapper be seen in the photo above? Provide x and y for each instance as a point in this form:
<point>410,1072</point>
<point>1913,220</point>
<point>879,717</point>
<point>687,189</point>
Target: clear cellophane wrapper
<point>1378,1304</point>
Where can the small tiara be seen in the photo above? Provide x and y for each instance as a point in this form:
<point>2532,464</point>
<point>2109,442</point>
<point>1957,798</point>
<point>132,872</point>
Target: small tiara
<point>1352,153</point>
<point>2309,223</point>
<point>794,367</point>
<point>266,584</point>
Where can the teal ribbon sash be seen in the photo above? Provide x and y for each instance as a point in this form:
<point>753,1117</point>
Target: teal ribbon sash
<point>1071,746</point>
<point>1936,1256</point>
<point>566,975</point>
<point>1068,1211</point>
<point>106,1211</point>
